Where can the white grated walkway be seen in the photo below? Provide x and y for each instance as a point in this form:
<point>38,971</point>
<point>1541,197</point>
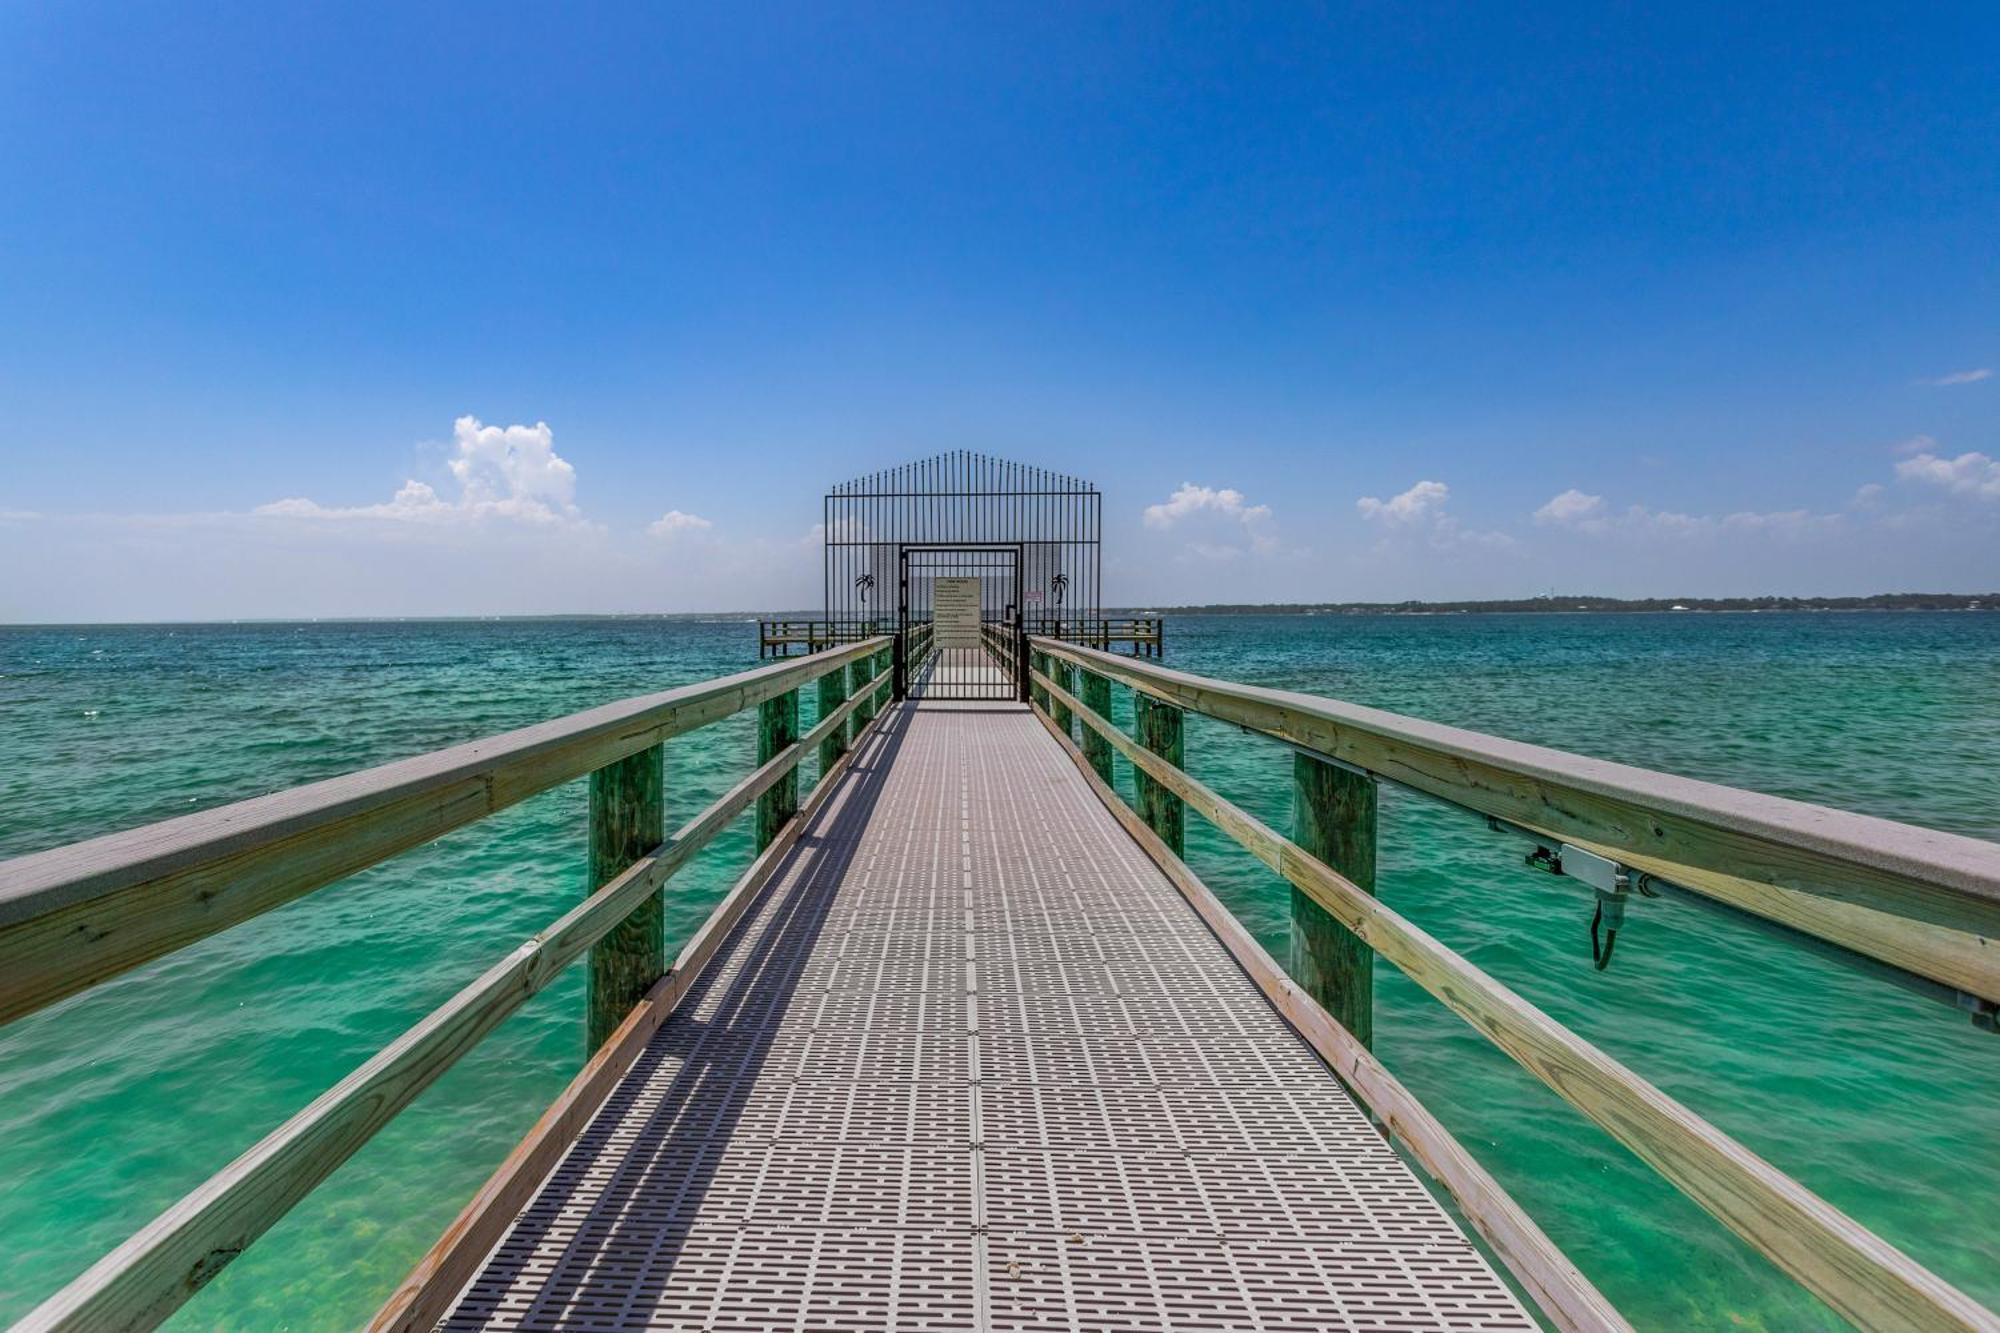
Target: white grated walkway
<point>973,1063</point>
<point>962,673</point>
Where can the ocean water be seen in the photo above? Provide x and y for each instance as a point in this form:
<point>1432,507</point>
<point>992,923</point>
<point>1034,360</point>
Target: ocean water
<point>115,1103</point>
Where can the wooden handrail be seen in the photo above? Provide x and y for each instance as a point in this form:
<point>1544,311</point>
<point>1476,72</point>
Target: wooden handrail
<point>144,1280</point>
<point>1860,1275</point>
<point>424,1297</point>
<point>1564,1294</point>
<point>1892,870</point>
<point>73,916</point>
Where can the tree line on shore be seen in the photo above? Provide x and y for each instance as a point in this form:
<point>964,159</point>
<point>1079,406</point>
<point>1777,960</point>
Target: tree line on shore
<point>1573,603</point>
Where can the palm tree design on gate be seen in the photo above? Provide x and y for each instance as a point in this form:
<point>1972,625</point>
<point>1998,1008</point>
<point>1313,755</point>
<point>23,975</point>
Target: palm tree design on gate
<point>861,585</point>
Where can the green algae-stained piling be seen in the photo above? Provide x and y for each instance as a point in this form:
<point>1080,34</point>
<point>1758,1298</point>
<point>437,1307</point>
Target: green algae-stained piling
<point>885,667</point>
<point>1334,821</point>
<point>832,693</point>
<point>857,675</point>
<point>628,818</point>
<point>1161,732</point>
<point>777,728</point>
<point>969,1044</point>
<point>1065,676</point>
<point>1096,696</point>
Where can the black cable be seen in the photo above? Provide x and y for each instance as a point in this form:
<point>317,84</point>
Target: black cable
<point>1603,959</point>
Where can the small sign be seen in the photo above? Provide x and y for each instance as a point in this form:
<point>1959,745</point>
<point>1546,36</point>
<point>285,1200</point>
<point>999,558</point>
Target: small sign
<point>955,612</point>
<point>1035,598</point>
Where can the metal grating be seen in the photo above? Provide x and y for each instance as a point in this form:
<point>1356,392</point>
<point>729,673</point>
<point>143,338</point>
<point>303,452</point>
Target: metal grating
<point>973,1063</point>
<point>962,674</point>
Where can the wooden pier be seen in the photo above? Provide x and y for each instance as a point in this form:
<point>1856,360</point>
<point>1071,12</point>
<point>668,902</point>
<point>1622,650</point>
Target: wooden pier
<point>1138,636</point>
<point>969,1046</point>
<point>971,1062</point>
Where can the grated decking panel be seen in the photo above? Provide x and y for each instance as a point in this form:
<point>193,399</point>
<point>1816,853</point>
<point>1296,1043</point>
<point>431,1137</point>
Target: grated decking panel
<point>972,1063</point>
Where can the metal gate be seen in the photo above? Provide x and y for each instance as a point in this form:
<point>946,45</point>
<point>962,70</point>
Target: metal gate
<point>1027,535</point>
<point>966,598</point>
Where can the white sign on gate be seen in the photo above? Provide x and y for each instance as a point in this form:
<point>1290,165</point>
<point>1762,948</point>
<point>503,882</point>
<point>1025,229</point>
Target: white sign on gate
<point>955,612</point>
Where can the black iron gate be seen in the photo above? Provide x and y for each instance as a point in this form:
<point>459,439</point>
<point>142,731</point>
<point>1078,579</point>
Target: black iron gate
<point>967,600</point>
<point>897,538</point>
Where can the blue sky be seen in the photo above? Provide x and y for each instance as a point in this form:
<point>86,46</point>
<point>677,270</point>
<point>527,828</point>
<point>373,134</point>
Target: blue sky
<point>1673,301</point>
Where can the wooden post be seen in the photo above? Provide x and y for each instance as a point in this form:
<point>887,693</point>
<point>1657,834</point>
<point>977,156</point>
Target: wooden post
<point>832,694</point>
<point>628,818</point>
<point>1160,730</point>
<point>1096,697</point>
<point>777,727</point>
<point>1038,663</point>
<point>858,673</point>
<point>1334,820</point>
<point>1065,676</point>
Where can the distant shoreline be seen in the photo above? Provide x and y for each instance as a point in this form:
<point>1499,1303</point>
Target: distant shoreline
<point>1565,606</point>
<point>1588,605</point>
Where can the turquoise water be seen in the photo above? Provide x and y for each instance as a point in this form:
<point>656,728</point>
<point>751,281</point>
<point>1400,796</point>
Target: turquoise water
<point>115,1103</point>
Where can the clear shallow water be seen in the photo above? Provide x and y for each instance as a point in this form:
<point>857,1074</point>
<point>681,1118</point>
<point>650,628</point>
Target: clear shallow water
<point>114,1104</point>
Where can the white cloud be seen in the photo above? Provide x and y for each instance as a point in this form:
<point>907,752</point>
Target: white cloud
<point>1960,377</point>
<point>1575,510</point>
<point>1420,512</point>
<point>1972,474</point>
<point>1916,444</point>
<point>1782,522</point>
<point>1193,499</point>
<point>1225,525</point>
<point>1422,500</point>
<point>1572,506</point>
<point>416,500</point>
<point>505,472</point>
<point>1668,522</point>
<point>673,523</point>
<point>1671,523</point>
<point>513,470</point>
<point>847,528</point>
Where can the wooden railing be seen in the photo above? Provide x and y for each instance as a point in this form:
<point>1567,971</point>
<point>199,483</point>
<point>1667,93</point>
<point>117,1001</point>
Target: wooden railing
<point>1141,636</point>
<point>913,648</point>
<point>1891,890</point>
<point>787,638</point>
<point>77,915</point>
